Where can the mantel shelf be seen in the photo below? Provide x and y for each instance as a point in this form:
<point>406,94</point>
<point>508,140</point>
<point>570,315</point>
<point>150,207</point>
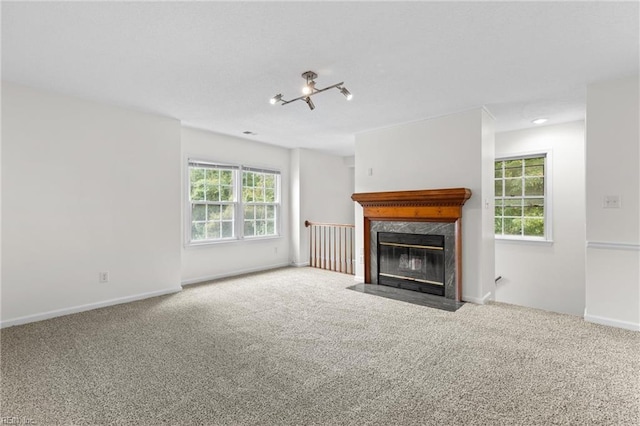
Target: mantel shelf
<point>425,197</point>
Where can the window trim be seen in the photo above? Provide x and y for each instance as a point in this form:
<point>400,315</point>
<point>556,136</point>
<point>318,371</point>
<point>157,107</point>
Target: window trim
<point>237,203</point>
<point>548,196</point>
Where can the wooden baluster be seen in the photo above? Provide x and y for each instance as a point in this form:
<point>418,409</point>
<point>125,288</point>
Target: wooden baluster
<point>322,247</point>
<point>312,245</point>
<point>315,245</point>
<point>340,248</point>
<point>326,247</point>
<point>351,250</point>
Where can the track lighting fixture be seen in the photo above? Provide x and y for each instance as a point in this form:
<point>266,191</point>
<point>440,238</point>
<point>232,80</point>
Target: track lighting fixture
<point>310,89</point>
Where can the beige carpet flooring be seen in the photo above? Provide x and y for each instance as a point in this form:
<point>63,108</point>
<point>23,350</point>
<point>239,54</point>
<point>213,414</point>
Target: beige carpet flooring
<point>295,347</point>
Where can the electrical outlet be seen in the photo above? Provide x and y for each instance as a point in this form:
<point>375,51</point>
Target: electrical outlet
<point>611,202</point>
<point>103,277</point>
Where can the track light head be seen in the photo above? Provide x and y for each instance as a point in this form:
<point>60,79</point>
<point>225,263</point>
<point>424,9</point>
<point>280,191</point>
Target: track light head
<point>277,98</point>
<point>310,103</point>
<point>347,94</point>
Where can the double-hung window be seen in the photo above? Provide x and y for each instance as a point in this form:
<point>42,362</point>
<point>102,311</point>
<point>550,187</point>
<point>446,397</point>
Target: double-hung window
<point>231,202</point>
<point>260,200</point>
<point>521,197</point>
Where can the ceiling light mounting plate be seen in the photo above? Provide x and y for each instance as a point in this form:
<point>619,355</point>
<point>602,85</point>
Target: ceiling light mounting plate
<point>309,75</point>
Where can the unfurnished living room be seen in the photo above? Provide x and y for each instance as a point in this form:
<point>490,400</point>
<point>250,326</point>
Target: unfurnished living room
<point>320,213</point>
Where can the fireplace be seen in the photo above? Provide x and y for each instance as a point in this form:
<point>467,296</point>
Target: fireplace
<point>412,261</point>
<point>419,214</point>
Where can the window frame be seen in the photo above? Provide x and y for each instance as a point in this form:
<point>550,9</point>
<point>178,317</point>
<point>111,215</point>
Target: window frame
<point>237,203</point>
<point>548,207</point>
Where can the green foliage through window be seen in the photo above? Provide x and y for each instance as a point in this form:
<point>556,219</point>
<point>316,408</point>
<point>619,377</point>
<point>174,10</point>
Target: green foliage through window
<point>226,207</point>
<point>520,196</point>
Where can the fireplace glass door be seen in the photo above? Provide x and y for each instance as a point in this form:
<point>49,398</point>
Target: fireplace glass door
<point>411,261</point>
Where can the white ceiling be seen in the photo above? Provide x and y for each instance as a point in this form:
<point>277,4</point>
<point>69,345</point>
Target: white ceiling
<point>214,65</point>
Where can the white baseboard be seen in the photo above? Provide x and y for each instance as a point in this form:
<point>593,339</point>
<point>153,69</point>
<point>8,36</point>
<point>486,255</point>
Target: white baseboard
<point>233,273</point>
<point>90,306</point>
<point>609,245</point>
<point>612,322</point>
<point>358,278</point>
<point>300,264</point>
<point>477,300</point>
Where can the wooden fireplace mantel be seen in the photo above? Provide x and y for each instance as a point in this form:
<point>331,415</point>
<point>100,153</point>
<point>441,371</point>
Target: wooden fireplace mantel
<point>424,205</point>
<point>429,205</point>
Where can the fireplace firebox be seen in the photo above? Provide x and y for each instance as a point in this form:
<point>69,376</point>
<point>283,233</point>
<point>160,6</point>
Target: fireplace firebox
<point>412,261</point>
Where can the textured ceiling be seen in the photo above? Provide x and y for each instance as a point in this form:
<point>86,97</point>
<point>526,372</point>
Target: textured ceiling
<point>214,65</point>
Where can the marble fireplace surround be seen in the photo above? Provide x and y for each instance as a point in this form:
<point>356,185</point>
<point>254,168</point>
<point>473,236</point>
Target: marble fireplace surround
<point>430,211</point>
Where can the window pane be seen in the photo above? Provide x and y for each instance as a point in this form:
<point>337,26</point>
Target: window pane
<point>227,229</point>
<point>248,179</point>
<point>499,187</point>
<point>513,187</point>
<point>247,195</point>
<point>534,207</point>
<point>226,193</point>
<point>196,183</point>
<point>513,211</point>
<point>213,230</point>
<point>260,212</point>
<point>499,165</point>
<point>260,227</point>
<point>536,161</point>
<point>226,177</point>
<point>513,168</point>
<point>213,212</point>
<point>512,226</point>
<point>198,212</point>
<point>271,212</point>
<point>249,228</point>
<point>212,193</point>
<point>270,181</point>
<point>498,225</point>
<point>271,227</point>
<point>249,212</point>
<point>534,186</point>
<point>259,195</point>
<point>270,196</point>
<point>532,168</point>
<point>534,227</point>
<point>197,231</point>
<point>227,212</point>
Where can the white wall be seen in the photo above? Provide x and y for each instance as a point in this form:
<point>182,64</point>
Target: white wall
<point>85,188</point>
<point>201,263</point>
<point>322,185</point>
<point>444,152</point>
<point>542,275</point>
<point>613,235</point>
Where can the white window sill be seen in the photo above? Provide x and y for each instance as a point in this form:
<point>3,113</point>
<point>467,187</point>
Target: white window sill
<point>516,240</point>
<point>196,245</point>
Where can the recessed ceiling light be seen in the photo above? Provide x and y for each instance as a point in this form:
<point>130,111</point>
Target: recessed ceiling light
<point>540,120</point>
